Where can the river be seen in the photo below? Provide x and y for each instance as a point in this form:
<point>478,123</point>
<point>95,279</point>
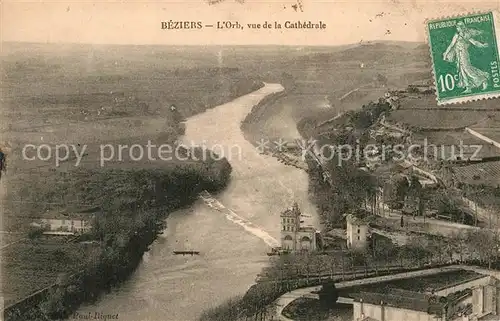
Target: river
<point>166,287</point>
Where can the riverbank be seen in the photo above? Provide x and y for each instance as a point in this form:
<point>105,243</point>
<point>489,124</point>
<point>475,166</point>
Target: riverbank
<point>233,239</point>
<point>133,210</point>
<point>251,125</point>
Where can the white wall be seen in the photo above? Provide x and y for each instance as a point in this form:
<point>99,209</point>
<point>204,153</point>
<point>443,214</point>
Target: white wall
<point>296,237</point>
<point>353,235</point>
<point>67,225</point>
<point>459,287</point>
<point>390,313</point>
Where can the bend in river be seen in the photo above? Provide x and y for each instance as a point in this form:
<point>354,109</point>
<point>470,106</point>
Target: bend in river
<point>233,234</point>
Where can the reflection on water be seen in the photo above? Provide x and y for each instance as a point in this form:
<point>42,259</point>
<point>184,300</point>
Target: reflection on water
<point>179,288</point>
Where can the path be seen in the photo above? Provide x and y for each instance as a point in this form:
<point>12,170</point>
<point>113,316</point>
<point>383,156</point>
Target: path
<point>396,215</point>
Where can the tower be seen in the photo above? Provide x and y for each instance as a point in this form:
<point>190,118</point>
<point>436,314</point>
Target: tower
<point>357,232</point>
<point>290,225</point>
<point>293,236</point>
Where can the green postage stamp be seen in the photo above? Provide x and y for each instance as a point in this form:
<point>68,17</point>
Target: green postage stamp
<point>464,53</point>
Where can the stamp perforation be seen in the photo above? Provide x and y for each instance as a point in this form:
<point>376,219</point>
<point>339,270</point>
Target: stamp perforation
<point>471,97</point>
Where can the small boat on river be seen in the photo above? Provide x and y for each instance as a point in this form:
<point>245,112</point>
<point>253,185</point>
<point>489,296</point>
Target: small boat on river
<point>187,252</point>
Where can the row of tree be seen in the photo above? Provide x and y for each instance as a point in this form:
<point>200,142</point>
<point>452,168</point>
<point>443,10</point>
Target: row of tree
<point>133,205</point>
<point>286,273</point>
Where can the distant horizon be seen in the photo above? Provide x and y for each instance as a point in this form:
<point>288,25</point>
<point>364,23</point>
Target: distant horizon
<point>140,23</point>
<point>217,45</point>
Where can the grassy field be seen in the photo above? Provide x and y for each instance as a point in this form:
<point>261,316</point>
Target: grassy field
<point>91,95</point>
<point>326,83</point>
<point>429,102</point>
<point>48,260</point>
<point>86,94</point>
<point>97,94</point>
<point>421,118</point>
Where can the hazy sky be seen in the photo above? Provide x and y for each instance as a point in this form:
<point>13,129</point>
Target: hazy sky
<point>139,22</point>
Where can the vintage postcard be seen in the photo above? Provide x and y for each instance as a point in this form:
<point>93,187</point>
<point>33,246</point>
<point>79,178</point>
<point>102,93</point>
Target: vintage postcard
<point>241,160</point>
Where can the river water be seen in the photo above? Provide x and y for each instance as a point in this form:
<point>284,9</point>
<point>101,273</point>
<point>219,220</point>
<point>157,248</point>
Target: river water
<point>166,287</point>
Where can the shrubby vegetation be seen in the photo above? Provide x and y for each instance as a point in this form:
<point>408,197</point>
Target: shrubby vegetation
<point>133,205</point>
<point>290,272</point>
<point>484,195</point>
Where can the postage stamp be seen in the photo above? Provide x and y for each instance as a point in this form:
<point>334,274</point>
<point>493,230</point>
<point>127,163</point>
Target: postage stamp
<point>465,57</point>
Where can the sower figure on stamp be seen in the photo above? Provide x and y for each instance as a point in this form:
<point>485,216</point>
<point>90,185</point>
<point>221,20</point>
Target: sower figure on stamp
<point>470,77</point>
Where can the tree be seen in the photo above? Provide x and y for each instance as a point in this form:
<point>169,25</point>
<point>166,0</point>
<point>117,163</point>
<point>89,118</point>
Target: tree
<point>53,305</point>
<point>288,81</point>
<point>230,310</point>
<point>362,119</point>
<point>368,185</point>
<point>59,255</point>
<point>457,241</point>
<point>383,249</point>
<point>35,232</point>
<point>328,294</point>
<point>396,189</point>
<point>382,79</point>
<point>415,195</point>
<point>484,243</point>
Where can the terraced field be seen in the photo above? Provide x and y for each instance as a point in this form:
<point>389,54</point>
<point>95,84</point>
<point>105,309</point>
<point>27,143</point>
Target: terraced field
<point>438,119</point>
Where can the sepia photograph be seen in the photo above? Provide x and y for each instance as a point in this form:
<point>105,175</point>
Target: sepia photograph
<point>250,160</point>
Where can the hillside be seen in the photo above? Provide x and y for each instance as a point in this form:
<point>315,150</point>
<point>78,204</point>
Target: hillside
<point>327,82</point>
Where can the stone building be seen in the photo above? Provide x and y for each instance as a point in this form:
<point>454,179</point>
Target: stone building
<point>64,223</point>
<point>295,237</point>
<point>357,232</point>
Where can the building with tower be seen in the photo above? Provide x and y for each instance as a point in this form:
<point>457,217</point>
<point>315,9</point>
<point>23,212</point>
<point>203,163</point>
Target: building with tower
<point>294,237</point>
<point>357,232</point>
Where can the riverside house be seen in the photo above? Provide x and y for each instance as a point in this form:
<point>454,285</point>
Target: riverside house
<point>65,223</point>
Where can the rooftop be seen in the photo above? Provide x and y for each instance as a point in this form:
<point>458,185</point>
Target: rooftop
<point>307,229</point>
<point>293,211</point>
<point>81,214</point>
